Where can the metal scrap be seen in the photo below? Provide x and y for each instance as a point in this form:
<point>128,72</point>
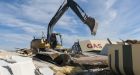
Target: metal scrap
<point>25,52</point>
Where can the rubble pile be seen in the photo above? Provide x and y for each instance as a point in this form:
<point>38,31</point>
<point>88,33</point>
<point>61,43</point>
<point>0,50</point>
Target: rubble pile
<point>91,62</point>
<point>70,64</point>
<point>53,63</point>
<point>132,41</point>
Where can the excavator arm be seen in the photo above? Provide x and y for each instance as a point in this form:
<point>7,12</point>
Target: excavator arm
<point>89,21</point>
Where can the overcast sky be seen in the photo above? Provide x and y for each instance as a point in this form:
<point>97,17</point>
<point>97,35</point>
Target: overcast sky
<point>20,20</point>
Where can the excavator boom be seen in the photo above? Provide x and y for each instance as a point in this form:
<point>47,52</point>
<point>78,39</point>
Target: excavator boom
<point>56,17</point>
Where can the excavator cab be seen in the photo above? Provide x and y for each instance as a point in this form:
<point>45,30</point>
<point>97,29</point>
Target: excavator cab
<point>54,42</point>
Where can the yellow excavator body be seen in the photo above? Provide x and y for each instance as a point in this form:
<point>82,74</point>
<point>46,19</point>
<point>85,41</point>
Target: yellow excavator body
<point>42,44</point>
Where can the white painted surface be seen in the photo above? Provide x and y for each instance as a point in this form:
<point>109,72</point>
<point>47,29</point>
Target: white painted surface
<point>4,71</point>
<point>20,59</point>
<point>46,71</point>
<point>89,45</point>
<point>23,68</point>
<point>3,63</point>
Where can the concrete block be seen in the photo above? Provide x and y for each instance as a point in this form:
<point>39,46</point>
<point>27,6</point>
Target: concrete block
<point>23,68</point>
<point>4,71</point>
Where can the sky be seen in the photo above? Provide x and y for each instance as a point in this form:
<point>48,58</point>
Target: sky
<point>21,20</point>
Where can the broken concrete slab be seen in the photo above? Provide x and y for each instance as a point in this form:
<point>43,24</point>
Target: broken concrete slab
<point>15,58</point>
<point>4,71</point>
<point>3,63</point>
<point>20,59</point>
<point>23,68</point>
<point>46,71</point>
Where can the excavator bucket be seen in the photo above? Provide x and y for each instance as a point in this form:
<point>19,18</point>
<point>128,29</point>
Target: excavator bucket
<point>92,24</point>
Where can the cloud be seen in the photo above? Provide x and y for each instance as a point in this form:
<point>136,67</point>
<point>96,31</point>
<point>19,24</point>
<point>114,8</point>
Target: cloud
<point>109,3</point>
<point>85,1</point>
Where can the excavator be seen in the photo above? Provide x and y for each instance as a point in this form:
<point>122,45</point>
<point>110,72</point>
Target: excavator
<point>51,41</point>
